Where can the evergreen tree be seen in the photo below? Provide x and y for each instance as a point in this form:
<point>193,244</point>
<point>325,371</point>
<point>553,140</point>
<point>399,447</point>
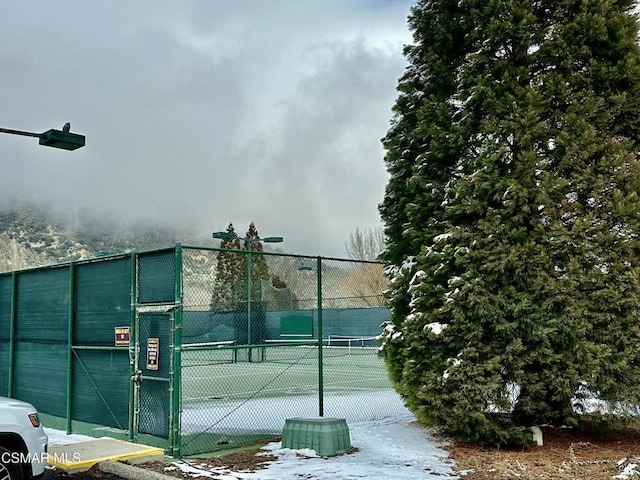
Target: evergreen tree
<point>419,145</point>
<point>259,267</point>
<point>229,287</point>
<point>511,214</point>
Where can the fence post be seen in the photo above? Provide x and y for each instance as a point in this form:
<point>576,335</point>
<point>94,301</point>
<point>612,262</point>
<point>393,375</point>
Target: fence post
<point>71,314</point>
<point>176,370</point>
<point>12,331</point>
<point>133,346</point>
<point>320,334</point>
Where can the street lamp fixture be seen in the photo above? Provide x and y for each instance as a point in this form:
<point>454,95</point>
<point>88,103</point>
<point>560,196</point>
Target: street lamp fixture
<point>63,139</point>
<point>271,239</point>
<point>223,235</point>
<point>249,241</point>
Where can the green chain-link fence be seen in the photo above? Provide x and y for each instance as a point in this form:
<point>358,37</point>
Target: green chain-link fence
<point>195,349</point>
<point>271,336</point>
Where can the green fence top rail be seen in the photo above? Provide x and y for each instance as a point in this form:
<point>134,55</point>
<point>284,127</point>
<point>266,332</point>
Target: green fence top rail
<point>96,259</point>
<point>112,256</point>
<point>279,254</point>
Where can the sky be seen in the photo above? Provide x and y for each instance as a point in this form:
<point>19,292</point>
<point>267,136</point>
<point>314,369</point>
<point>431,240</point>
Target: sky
<point>203,112</point>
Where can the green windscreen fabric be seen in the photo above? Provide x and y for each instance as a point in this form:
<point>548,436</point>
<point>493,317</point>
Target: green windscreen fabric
<point>101,384</point>
<point>101,378</point>
<point>5,306</point>
<point>157,277</point>
<point>43,305</point>
<point>40,375</point>
<point>4,368</point>
<point>5,331</point>
<point>103,301</point>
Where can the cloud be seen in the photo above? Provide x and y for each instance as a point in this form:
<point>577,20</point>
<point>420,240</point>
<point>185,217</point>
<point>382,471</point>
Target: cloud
<point>204,112</point>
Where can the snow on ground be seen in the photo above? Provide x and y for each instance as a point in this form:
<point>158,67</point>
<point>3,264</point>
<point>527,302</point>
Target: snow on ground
<point>393,448</point>
<point>386,450</point>
<point>389,444</point>
<point>58,437</point>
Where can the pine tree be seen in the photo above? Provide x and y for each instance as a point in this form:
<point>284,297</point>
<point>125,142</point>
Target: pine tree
<point>229,288</point>
<point>512,214</point>
<point>259,267</point>
<point>231,285</point>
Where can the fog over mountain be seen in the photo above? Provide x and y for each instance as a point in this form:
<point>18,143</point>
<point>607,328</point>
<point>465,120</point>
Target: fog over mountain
<point>34,235</point>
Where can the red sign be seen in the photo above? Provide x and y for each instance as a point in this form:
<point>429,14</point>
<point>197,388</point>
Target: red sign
<point>122,336</point>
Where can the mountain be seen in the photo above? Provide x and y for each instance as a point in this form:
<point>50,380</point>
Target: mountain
<point>33,235</point>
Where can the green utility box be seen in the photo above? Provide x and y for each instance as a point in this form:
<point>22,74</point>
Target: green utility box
<point>327,436</point>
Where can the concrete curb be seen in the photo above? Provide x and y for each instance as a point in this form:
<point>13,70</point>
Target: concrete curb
<point>129,472</point>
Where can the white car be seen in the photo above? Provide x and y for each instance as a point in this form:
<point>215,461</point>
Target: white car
<point>23,443</point>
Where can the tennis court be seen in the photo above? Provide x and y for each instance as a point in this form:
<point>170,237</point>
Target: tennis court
<point>229,400</point>
<point>249,351</point>
<point>281,370</point>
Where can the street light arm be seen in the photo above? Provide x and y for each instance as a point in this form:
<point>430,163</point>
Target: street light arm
<point>20,132</point>
<point>249,240</point>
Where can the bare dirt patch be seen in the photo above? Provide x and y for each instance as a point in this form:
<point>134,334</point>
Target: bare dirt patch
<point>243,461</point>
<point>567,454</point>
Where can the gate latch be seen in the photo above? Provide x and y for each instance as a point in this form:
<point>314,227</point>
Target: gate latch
<point>137,377</point>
